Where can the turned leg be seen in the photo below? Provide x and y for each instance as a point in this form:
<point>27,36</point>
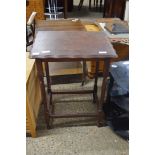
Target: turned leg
<point>95,83</point>
<point>89,4</point>
<point>48,77</point>
<point>103,92</point>
<point>84,74</point>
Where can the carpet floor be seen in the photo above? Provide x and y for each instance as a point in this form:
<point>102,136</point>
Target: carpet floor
<point>75,136</point>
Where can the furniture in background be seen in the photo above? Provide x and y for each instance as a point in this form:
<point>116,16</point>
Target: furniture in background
<point>69,4</point>
<point>116,107</point>
<point>39,7</point>
<point>35,6</point>
<point>53,8</point>
<point>119,42</point>
<point>77,25</point>
<point>122,51</point>
<point>90,6</point>
<point>71,46</point>
<point>33,96</point>
<point>81,3</point>
<point>30,29</point>
<point>114,8</point>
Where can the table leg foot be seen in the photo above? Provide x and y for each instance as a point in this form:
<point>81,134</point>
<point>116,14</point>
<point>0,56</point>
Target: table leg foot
<point>48,127</point>
<point>100,121</point>
<point>100,124</point>
<point>83,82</point>
<point>94,99</point>
<point>49,91</point>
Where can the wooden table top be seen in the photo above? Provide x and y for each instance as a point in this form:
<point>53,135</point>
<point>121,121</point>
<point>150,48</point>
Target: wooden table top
<point>71,45</point>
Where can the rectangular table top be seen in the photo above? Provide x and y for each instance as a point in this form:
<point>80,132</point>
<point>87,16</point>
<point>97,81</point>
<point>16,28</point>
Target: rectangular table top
<point>72,45</point>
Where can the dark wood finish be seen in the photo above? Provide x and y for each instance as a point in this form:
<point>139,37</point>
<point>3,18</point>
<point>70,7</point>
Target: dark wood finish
<point>103,92</point>
<point>62,25</point>
<point>74,115</point>
<point>114,8</point>
<point>84,72</point>
<point>69,4</point>
<point>75,46</point>
<point>95,84</point>
<point>48,77</point>
<point>74,92</point>
<point>71,45</point>
<point>65,8</point>
<point>68,25</point>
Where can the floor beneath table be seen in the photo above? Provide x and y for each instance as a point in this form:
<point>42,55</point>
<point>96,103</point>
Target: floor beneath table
<point>71,136</point>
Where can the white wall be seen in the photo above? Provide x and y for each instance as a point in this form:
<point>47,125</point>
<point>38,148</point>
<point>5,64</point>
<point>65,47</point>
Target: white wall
<point>126,16</point>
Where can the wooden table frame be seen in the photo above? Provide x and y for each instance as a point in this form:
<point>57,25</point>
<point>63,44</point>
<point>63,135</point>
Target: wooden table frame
<point>75,46</point>
<point>47,97</point>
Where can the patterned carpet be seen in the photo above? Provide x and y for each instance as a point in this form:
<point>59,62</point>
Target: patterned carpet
<point>79,136</point>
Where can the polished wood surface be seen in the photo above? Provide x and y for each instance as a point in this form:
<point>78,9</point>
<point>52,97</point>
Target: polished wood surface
<point>72,45</point>
<point>84,25</point>
<point>54,46</point>
<point>47,46</point>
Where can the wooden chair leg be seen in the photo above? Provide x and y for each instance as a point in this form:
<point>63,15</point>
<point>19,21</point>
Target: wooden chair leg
<point>80,4</point>
<point>96,5</point>
<point>89,4</point>
<point>100,5</point>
